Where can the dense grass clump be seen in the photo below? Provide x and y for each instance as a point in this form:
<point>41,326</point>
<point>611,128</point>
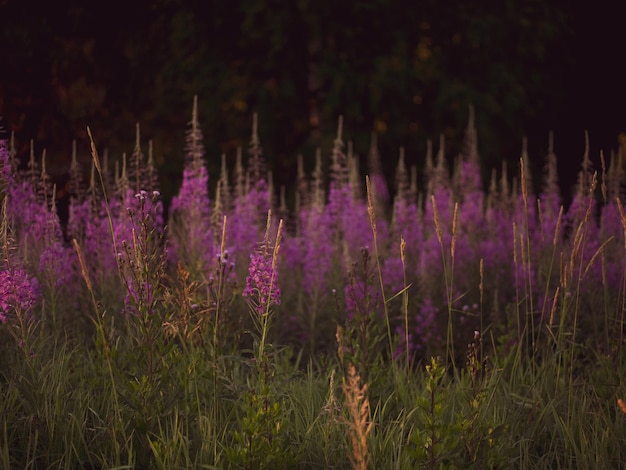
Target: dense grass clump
<point>447,327</point>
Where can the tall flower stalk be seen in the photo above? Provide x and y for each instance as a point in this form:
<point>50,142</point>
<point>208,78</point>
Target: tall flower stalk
<point>18,290</point>
<point>191,235</point>
<point>262,290</point>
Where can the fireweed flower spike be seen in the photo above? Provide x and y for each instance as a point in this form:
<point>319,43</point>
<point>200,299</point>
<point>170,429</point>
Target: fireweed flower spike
<point>262,289</point>
<point>18,292</point>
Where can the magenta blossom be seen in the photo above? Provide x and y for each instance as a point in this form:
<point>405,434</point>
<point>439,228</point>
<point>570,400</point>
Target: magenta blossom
<point>262,281</point>
<point>17,291</point>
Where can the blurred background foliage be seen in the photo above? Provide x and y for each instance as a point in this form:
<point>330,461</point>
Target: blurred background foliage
<point>407,70</point>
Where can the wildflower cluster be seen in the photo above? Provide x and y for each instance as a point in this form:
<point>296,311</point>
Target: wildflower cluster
<point>18,292</point>
<point>262,288</point>
<point>450,226</point>
<point>141,260</point>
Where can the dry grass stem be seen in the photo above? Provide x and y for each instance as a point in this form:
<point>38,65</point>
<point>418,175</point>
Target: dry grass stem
<point>553,309</point>
<point>405,298</point>
<point>454,226</point>
<point>223,241</point>
<point>603,177</point>
<point>370,205</point>
<point>359,424</point>
<point>557,229</point>
<point>94,152</point>
<point>83,266</point>
<point>437,221</point>
<point>597,253</point>
<point>277,244</point>
<point>340,346</point>
<point>523,183</point>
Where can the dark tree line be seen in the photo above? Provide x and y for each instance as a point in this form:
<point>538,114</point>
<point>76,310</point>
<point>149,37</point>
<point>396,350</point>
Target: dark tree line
<point>407,70</point>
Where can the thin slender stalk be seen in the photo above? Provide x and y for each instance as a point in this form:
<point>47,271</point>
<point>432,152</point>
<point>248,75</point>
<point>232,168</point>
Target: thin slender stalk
<point>372,217</point>
<point>100,330</point>
<point>405,299</point>
<point>96,162</point>
<point>448,276</point>
<point>525,246</point>
<point>265,317</point>
<point>220,283</point>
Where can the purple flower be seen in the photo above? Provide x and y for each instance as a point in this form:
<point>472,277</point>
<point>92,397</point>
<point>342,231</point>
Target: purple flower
<point>467,179</point>
<point>143,215</point>
<point>426,330</point>
<point>246,220</point>
<point>138,236</point>
<point>401,347</point>
<point>393,271</point>
<point>17,292</point>
<point>317,250</point>
<point>242,229</point>
<point>358,296</point>
<point>90,227</point>
<point>138,296</point>
<point>190,234</point>
<point>262,281</point>
<point>56,265</point>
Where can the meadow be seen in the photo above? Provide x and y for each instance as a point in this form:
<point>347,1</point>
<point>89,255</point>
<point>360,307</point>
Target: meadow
<point>437,323</point>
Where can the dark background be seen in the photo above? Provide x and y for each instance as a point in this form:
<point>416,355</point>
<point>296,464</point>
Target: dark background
<point>406,69</point>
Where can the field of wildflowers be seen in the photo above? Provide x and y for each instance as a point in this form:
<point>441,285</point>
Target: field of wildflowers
<point>435,324</point>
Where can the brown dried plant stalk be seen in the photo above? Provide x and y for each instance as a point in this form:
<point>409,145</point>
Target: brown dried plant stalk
<point>360,426</point>
<point>372,216</point>
<point>405,298</point>
<point>438,229</point>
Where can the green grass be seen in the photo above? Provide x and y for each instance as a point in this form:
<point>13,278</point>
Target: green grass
<point>176,387</point>
<point>60,408</point>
